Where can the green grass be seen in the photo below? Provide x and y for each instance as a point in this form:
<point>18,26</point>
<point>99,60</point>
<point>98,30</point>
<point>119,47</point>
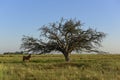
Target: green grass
<point>54,67</point>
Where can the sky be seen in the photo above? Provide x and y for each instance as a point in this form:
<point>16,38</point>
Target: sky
<point>25,17</point>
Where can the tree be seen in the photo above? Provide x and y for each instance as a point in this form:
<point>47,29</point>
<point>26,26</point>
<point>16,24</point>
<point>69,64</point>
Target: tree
<point>64,36</point>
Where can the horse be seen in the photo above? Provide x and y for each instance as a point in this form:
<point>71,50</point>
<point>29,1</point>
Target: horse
<point>27,57</point>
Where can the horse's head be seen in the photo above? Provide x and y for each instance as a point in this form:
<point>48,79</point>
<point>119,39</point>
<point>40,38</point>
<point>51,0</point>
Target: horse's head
<point>29,55</point>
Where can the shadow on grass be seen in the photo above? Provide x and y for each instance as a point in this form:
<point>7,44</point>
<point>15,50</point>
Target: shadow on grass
<point>72,64</point>
<point>47,61</point>
<point>11,61</point>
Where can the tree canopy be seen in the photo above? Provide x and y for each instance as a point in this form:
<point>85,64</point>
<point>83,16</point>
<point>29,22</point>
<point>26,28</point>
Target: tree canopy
<point>65,36</point>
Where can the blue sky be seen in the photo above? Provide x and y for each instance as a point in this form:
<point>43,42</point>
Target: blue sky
<point>24,17</point>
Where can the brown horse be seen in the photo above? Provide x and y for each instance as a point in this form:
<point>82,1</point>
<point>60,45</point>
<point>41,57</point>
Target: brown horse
<point>27,57</point>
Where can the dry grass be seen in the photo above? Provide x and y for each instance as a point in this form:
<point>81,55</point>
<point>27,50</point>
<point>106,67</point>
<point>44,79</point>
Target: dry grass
<point>53,67</point>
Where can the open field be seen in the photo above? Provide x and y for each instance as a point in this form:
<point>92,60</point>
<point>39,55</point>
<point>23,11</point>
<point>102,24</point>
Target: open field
<point>54,67</point>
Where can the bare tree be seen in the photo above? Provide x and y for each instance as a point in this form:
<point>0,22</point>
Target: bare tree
<point>64,36</point>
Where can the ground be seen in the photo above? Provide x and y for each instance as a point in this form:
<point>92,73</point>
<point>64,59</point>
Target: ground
<point>54,67</point>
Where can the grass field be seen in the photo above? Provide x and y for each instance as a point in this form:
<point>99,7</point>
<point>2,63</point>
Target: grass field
<point>54,67</point>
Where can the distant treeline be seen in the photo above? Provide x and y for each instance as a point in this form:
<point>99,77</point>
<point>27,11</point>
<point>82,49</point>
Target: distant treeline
<point>17,52</point>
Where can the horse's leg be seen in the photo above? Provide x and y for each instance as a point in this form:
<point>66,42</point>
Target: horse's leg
<point>23,58</point>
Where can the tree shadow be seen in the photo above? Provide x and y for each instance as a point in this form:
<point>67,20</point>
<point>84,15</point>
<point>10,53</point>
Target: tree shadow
<point>11,61</point>
<point>72,64</point>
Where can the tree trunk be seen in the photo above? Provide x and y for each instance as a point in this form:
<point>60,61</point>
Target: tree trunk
<point>66,55</point>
